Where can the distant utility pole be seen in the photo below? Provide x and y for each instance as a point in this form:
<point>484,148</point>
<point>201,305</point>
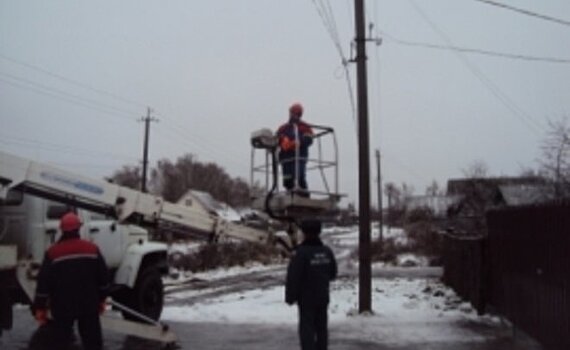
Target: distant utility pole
<point>146,121</point>
<point>364,273</point>
<point>380,211</point>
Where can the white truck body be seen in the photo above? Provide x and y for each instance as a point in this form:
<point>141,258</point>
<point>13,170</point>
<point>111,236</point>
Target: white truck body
<point>32,225</point>
<point>28,225</point>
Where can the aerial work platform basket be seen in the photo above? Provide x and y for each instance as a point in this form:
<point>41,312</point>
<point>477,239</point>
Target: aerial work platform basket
<point>319,201</point>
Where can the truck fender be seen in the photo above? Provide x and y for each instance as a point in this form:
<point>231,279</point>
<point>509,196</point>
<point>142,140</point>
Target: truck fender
<point>129,269</point>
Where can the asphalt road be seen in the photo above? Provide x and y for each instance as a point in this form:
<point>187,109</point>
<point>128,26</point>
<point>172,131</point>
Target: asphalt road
<point>216,336</point>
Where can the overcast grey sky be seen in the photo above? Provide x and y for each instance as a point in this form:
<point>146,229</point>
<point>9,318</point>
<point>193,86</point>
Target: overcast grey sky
<point>214,71</point>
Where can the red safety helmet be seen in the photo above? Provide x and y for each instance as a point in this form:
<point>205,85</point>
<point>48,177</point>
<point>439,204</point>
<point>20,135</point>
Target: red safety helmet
<point>69,222</point>
<point>296,109</point>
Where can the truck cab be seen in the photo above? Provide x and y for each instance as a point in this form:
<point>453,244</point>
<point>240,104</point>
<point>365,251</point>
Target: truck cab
<point>30,225</point>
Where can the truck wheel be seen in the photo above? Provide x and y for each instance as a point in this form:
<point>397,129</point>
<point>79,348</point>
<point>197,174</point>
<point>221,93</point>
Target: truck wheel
<point>148,295</point>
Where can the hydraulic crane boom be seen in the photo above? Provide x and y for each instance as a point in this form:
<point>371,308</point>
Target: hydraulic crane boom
<point>125,204</point>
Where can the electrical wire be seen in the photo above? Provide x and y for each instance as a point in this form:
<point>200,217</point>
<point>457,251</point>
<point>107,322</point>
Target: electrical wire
<point>476,51</point>
<point>62,98</point>
<point>54,147</point>
<point>492,87</point>
<point>66,94</point>
<point>177,132</point>
<point>70,81</point>
<point>377,79</point>
<point>526,12</point>
<point>326,14</point>
<point>397,161</point>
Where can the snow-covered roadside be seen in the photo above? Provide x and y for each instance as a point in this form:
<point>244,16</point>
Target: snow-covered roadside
<point>405,310</point>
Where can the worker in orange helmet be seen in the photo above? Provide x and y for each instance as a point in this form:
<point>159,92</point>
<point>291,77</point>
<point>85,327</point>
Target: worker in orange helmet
<point>73,284</point>
<point>295,137</point>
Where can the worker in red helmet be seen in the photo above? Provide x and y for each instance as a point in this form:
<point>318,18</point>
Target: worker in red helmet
<point>72,284</point>
<point>295,137</point>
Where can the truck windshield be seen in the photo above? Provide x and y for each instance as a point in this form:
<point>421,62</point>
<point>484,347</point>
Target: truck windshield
<point>13,198</point>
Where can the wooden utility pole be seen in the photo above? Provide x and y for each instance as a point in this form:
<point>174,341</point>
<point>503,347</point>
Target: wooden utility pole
<point>365,273</point>
<point>380,211</point>
<point>146,121</point>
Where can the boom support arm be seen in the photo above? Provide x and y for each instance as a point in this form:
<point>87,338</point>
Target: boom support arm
<point>125,204</point>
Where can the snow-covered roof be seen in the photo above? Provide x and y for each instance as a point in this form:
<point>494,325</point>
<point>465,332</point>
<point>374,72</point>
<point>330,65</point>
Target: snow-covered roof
<point>438,204</point>
<point>525,194</point>
<point>212,205</point>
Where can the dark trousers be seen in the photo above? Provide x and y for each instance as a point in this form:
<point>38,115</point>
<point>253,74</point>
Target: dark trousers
<point>89,328</point>
<point>313,327</point>
<point>289,167</point>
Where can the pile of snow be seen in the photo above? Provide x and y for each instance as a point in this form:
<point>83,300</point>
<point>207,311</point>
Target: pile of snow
<point>411,260</point>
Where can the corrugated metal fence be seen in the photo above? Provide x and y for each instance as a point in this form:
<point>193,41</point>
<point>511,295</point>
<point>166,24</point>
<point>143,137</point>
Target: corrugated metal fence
<point>522,269</point>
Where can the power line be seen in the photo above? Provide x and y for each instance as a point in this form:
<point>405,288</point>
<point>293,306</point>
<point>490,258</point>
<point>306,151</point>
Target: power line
<point>71,81</point>
<point>65,93</point>
<point>178,131</point>
<point>526,12</point>
<point>492,87</point>
<point>477,51</point>
<point>409,169</point>
<point>326,14</point>
<point>64,96</point>
<point>54,147</point>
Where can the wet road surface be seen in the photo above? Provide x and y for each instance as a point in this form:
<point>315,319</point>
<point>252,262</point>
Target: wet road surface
<point>217,336</point>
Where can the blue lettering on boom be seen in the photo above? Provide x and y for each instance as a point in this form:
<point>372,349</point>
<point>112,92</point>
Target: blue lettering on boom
<point>82,186</point>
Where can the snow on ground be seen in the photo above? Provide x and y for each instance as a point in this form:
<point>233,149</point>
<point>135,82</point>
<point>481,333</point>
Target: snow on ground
<point>348,236</point>
<point>405,310</point>
<point>427,305</point>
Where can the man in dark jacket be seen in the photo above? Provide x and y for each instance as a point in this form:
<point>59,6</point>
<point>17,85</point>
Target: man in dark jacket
<point>309,273</point>
<point>72,284</point>
<point>295,137</point>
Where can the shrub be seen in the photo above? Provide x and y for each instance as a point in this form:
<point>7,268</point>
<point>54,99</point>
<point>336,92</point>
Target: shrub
<point>419,215</point>
<point>211,256</point>
<point>387,251</point>
<point>425,240</point>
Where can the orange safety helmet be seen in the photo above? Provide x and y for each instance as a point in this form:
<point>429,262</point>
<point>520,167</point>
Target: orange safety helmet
<point>69,222</point>
<point>296,109</point>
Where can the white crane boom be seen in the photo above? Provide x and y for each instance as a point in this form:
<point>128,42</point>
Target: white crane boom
<point>126,204</point>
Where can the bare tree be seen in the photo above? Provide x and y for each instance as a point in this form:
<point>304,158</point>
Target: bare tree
<point>556,155</point>
<point>173,180</point>
<point>476,170</point>
<point>128,176</point>
<point>393,194</point>
<point>433,189</point>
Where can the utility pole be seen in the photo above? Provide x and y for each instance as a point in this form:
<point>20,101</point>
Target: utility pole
<point>364,273</point>
<point>380,211</point>
<point>146,121</point>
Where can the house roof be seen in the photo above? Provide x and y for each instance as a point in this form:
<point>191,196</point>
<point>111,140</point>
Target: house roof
<point>438,204</point>
<point>212,205</point>
<point>466,185</point>
<point>525,194</point>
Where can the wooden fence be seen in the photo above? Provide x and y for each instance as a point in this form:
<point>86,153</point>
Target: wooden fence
<point>522,269</point>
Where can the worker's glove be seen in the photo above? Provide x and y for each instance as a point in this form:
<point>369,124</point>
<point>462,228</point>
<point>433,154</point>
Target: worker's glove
<point>41,316</point>
<point>287,144</point>
<point>102,307</point>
